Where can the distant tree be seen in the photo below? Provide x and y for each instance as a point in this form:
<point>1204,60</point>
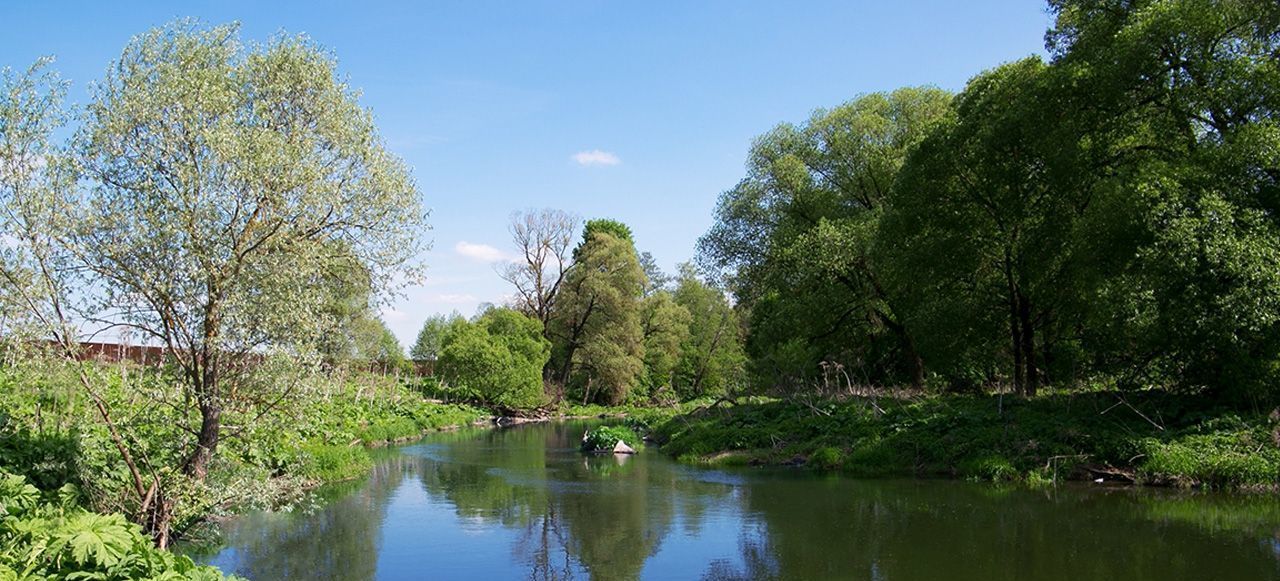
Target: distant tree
<point>378,344</point>
<point>500,356</point>
<point>665,326</point>
<point>430,337</point>
<point>543,239</point>
<point>711,360</point>
<point>599,342</point>
<point>655,280</point>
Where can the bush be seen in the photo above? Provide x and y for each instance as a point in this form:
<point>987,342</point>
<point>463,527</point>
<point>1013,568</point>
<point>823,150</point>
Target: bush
<point>604,438</point>
<point>827,458</point>
<point>499,357</point>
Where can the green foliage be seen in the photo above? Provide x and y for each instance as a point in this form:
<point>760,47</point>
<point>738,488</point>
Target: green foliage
<point>795,237</point>
<point>711,357</point>
<point>827,458</point>
<point>1039,441</point>
<point>665,326</point>
<point>431,337</point>
<point>613,228</point>
<point>596,325</point>
<point>319,434</point>
<point>333,462</point>
<point>41,537</point>
<point>499,358</point>
<point>604,438</point>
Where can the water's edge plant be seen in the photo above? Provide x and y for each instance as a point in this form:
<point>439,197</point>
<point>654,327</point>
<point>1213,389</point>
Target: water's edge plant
<point>1038,441</point>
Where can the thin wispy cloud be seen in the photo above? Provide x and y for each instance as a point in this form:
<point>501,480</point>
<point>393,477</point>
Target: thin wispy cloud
<point>479,252</point>
<point>595,157</point>
<point>394,315</point>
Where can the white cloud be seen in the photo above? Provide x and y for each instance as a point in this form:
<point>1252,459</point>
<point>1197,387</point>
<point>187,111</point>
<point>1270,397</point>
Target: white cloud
<point>393,315</point>
<point>595,157</point>
<point>456,299</point>
<point>480,252</point>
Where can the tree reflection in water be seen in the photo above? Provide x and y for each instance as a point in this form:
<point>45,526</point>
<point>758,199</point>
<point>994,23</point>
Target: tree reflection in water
<point>523,502</point>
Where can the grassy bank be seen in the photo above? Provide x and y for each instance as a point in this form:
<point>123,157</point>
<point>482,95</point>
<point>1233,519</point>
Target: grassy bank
<point>65,482</point>
<point>335,448</point>
<point>1146,438</point>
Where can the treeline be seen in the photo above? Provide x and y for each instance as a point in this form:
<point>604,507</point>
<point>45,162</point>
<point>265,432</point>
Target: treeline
<point>1107,216</point>
<point>592,322</point>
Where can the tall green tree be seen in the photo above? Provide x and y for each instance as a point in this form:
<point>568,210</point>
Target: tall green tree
<point>979,238</point>
<point>222,176</point>
<point>712,360</point>
<point>665,326</point>
<point>1179,100</point>
<point>598,336</point>
<point>795,237</point>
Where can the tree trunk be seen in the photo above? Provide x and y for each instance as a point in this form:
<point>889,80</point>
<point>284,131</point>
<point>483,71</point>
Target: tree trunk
<point>1015,331</point>
<point>915,365</point>
<point>207,441</point>
<point>1028,345</point>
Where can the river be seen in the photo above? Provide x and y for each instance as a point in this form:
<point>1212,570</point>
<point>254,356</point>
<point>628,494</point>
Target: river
<point>523,503</point>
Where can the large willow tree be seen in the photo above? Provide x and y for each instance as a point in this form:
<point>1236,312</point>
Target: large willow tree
<point>229,184</point>
<point>796,237</point>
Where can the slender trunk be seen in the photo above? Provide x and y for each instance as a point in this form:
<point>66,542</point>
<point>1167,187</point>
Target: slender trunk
<point>1028,345</point>
<point>706,362</point>
<point>1015,331</point>
<point>1046,353</point>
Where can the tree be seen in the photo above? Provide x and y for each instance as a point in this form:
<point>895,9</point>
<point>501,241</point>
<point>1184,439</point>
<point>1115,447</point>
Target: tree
<point>37,273</point>
<point>500,356</point>
<point>655,281</point>
<point>712,360</point>
<point>598,338</point>
<point>223,176</point>
<point>608,226</point>
<point>543,238</point>
<point>796,236</point>
<point>983,224</point>
<point>379,345</point>
<point>431,337</point>
<point>1178,102</point>
<point>665,326</point>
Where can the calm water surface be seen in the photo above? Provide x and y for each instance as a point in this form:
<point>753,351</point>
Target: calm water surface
<point>523,503</point>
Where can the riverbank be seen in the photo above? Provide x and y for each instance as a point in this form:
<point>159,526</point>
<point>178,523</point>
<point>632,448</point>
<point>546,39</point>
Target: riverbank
<point>1148,438</point>
<point>337,448</point>
<point>294,431</point>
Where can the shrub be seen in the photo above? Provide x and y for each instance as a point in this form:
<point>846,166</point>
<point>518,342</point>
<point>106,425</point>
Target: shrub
<point>499,357</point>
<point>604,438</point>
<point>827,458</point>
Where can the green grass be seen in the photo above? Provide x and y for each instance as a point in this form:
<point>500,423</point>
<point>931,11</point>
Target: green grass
<point>1037,441</point>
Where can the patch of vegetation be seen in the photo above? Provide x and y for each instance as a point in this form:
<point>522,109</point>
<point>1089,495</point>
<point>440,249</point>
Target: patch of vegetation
<point>48,536</point>
<point>604,438</point>
<point>1038,440</point>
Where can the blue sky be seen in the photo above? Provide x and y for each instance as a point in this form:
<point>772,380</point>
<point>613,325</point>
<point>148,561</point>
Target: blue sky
<point>491,103</point>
